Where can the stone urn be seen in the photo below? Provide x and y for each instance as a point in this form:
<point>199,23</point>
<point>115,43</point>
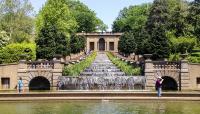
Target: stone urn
<point>58,56</point>
<point>183,56</point>
<point>147,56</point>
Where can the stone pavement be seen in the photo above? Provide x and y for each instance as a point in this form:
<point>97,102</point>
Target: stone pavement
<point>100,95</point>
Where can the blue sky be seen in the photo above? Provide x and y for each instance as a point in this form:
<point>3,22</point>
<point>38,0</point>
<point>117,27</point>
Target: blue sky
<point>106,10</point>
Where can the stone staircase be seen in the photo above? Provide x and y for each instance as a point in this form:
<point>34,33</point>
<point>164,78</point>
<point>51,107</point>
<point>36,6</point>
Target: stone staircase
<point>102,67</point>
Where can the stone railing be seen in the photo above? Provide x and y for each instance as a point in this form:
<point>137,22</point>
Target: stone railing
<point>166,65</point>
<point>40,65</point>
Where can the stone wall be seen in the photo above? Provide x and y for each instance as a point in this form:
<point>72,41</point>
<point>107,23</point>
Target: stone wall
<point>194,72</point>
<point>155,69</point>
<point>8,71</point>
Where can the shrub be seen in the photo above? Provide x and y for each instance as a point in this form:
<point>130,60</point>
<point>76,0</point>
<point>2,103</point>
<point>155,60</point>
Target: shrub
<point>181,44</point>
<point>125,67</point>
<point>174,57</point>
<point>192,59</point>
<point>12,52</point>
<point>76,69</point>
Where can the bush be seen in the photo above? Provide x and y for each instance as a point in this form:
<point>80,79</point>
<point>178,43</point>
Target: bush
<point>76,69</point>
<point>174,57</point>
<point>125,67</point>
<point>192,59</point>
<point>12,52</point>
<point>181,44</point>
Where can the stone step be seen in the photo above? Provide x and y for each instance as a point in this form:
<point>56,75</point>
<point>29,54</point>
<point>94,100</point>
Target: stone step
<point>102,74</point>
<point>102,70</point>
<point>102,66</point>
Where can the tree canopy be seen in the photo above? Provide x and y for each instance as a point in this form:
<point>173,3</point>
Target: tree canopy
<point>54,25</point>
<point>16,20</point>
<point>132,18</point>
<point>159,27</point>
<point>86,19</point>
<point>194,17</point>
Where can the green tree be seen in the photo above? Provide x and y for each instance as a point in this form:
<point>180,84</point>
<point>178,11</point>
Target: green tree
<point>194,17</point>
<point>127,43</point>
<point>77,43</point>
<point>4,39</point>
<point>132,18</point>
<point>54,26</point>
<point>86,18</point>
<point>156,28</point>
<point>178,24</point>
<point>16,19</point>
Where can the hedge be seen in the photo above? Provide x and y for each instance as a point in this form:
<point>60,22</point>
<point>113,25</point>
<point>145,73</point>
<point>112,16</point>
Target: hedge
<point>76,69</point>
<point>12,52</point>
<point>124,66</point>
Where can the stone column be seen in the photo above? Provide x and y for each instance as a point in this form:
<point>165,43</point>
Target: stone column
<point>95,46</point>
<point>116,45</point>
<point>56,73</point>
<point>185,78</point>
<point>22,72</point>
<point>88,46</point>
<point>149,73</point>
<point>107,46</point>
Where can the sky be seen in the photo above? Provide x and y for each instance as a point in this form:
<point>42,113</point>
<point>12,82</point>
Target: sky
<point>106,10</point>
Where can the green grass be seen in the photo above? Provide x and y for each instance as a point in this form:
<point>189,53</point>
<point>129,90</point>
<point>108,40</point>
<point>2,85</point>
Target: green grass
<point>124,66</point>
<point>76,69</point>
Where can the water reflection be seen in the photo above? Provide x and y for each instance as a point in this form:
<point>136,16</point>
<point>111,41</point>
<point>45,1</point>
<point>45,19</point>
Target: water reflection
<point>100,107</point>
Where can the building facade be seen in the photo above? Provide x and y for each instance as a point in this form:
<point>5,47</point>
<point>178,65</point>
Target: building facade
<point>102,41</point>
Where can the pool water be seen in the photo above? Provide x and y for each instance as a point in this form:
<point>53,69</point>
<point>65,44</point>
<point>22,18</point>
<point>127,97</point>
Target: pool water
<point>100,107</point>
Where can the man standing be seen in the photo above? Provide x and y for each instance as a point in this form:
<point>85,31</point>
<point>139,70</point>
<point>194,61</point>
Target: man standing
<point>159,86</point>
<point>20,85</point>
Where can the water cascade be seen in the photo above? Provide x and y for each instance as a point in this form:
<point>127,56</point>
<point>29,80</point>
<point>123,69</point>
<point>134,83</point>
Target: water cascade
<point>102,75</point>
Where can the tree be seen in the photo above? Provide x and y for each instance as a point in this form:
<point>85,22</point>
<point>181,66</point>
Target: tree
<point>77,43</point>
<point>16,20</point>
<point>132,18</point>
<point>46,46</point>
<point>54,27</point>
<point>156,28</point>
<point>194,17</point>
<point>4,39</point>
<point>178,24</point>
<point>86,19</point>
<point>127,43</point>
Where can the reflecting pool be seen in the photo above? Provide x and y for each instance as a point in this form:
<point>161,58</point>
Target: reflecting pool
<point>100,107</point>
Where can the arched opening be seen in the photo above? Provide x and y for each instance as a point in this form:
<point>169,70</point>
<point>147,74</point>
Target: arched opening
<point>39,83</point>
<point>101,44</point>
<point>169,83</point>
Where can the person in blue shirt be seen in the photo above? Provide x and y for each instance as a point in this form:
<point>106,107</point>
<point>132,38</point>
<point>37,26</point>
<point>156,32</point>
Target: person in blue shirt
<point>20,85</point>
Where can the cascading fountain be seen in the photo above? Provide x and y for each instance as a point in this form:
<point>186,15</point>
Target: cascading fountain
<point>102,75</point>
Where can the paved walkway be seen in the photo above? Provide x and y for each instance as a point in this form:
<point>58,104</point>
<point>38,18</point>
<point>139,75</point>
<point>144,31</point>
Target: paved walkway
<point>100,95</point>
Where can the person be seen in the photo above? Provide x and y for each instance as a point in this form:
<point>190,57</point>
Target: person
<point>159,86</point>
<point>20,85</point>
